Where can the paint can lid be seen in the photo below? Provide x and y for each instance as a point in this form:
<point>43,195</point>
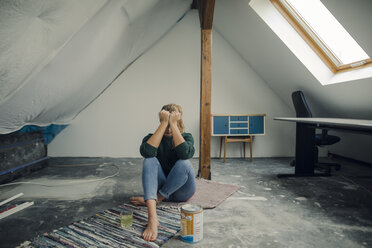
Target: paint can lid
<point>192,208</point>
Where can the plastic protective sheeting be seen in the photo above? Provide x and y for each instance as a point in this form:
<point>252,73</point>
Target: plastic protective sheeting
<point>56,91</point>
<point>32,32</point>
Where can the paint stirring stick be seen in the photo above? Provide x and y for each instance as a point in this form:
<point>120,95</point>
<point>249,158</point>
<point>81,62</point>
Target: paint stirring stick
<point>16,209</point>
<point>11,198</point>
<point>8,209</point>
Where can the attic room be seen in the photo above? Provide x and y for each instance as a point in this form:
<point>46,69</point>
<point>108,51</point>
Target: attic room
<point>269,127</point>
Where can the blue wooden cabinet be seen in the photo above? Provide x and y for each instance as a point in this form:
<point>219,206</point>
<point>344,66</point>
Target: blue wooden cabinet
<point>244,126</point>
<point>238,125</point>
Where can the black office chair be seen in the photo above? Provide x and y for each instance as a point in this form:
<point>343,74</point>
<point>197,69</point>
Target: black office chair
<point>323,139</point>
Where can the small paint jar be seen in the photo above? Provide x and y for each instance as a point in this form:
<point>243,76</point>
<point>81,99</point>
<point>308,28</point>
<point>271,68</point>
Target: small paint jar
<point>126,218</point>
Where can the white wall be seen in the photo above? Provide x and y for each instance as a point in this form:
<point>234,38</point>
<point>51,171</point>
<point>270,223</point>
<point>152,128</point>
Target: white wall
<point>270,58</point>
<point>115,123</point>
<point>237,89</point>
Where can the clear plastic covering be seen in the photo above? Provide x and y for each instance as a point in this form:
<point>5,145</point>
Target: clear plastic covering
<point>57,56</point>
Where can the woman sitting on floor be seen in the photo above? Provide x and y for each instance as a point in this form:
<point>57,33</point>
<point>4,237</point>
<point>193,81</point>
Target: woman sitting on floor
<point>167,173</point>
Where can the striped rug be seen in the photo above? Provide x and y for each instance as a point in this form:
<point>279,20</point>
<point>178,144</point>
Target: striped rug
<point>104,230</point>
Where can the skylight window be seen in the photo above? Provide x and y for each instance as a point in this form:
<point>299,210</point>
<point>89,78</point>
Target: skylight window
<point>320,29</point>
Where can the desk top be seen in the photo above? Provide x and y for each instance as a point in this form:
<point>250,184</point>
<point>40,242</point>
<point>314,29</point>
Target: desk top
<point>357,124</point>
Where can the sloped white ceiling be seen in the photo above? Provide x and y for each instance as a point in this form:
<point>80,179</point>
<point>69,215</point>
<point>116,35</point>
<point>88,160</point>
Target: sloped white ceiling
<point>32,32</point>
<point>280,68</point>
<point>58,56</point>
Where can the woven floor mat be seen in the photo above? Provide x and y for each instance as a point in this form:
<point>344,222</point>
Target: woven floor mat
<point>104,230</point>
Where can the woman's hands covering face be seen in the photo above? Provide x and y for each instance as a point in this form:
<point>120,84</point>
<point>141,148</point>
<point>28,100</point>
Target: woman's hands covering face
<point>174,117</point>
<point>164,116</point>
<point>170,118</point>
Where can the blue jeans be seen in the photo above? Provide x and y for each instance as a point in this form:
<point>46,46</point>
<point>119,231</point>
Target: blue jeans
<point>178,186</point>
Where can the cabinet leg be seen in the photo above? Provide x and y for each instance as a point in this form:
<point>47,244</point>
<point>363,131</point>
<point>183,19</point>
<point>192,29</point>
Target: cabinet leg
<point>224,154</point>
<point>220,145</point>
<point>244,149</point>
<point>250,146</point>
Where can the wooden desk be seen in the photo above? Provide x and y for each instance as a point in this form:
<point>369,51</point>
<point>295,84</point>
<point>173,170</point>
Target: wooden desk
<point>238,128</point>
<point>305,138</point>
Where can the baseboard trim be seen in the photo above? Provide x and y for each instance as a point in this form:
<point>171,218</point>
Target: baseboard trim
<point>350,159</point>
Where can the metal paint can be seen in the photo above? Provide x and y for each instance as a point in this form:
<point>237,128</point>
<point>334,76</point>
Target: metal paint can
<point>191,223</point>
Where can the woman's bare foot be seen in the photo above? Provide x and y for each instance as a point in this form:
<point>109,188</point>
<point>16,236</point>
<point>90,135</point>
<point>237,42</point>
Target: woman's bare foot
<point>160,198</point>
<point>137,200</point>
<point>151,231</point>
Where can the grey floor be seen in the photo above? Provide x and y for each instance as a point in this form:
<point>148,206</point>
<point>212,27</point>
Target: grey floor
<point>266,212</point>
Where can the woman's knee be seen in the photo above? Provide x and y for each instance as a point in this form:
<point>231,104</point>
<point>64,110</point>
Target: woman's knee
<point>150,161</point>
<point>184,164</point>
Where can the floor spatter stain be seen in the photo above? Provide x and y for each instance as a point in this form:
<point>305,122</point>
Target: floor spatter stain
<point>301,198</point>
<point>350,187</point>
<point>252,198</point>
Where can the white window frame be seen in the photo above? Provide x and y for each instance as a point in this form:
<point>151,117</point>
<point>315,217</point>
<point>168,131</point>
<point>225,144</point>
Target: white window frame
<point>321,49</point>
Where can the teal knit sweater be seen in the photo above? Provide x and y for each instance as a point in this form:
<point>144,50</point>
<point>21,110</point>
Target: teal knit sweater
<point>166,153</point>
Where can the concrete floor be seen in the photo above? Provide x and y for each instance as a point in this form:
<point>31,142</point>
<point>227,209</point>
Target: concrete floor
<point>266,212</point>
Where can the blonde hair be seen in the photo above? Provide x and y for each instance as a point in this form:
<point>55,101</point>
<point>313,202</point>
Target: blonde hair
<point>174,107</point>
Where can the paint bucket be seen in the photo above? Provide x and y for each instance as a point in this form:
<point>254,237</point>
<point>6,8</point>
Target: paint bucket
<point>191,223</point>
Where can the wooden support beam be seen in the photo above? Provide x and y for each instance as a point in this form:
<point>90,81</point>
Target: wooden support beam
<point>205,104</point>
<point>206,11</point>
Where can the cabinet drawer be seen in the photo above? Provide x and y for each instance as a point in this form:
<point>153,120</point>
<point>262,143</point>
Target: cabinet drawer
<point>238,131</point>
<point>243,124</point>
<point>238,118</point>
